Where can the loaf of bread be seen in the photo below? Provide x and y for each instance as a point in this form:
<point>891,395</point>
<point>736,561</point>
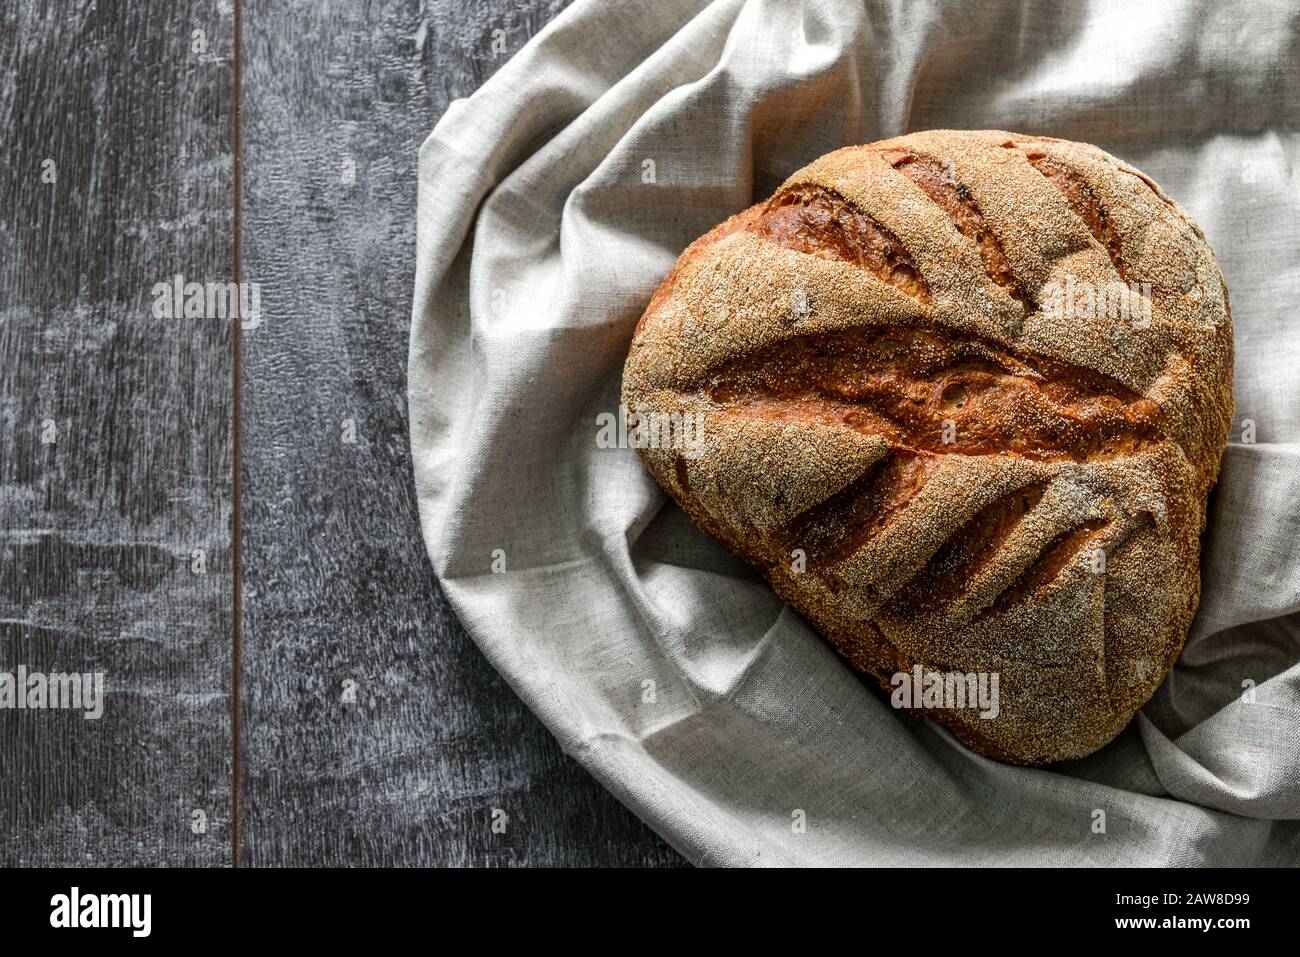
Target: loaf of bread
<point>960,397</point>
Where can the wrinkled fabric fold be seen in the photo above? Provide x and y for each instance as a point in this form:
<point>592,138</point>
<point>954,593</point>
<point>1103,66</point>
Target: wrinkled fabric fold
<point>553,201</point>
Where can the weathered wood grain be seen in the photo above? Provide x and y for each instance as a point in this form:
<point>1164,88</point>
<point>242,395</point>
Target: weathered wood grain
<point>339,598</point>
<point>116,177</point>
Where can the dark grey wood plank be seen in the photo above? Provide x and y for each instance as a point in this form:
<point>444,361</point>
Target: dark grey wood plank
<point>116,177</point>
<point>339,591</point>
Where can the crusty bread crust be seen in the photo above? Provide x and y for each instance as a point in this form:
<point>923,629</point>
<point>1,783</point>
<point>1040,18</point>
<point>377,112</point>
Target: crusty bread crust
<point>932,459</point>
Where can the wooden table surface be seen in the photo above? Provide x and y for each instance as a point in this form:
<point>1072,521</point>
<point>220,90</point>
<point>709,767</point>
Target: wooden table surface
<point>371,731</point>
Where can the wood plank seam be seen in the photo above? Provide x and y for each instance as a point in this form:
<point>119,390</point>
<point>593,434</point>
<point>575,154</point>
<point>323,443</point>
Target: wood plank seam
<point>237,449</point>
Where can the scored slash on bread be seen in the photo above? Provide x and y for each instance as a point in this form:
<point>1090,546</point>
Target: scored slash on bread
<point>977,481</point>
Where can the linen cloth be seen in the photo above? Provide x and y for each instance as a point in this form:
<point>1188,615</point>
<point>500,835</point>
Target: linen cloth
<point>554,200</point>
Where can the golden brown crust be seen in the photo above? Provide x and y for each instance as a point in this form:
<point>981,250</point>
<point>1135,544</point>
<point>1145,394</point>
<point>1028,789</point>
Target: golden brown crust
<point>924,452</point>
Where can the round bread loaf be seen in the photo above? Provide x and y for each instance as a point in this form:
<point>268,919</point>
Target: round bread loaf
<point>960,397</point>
